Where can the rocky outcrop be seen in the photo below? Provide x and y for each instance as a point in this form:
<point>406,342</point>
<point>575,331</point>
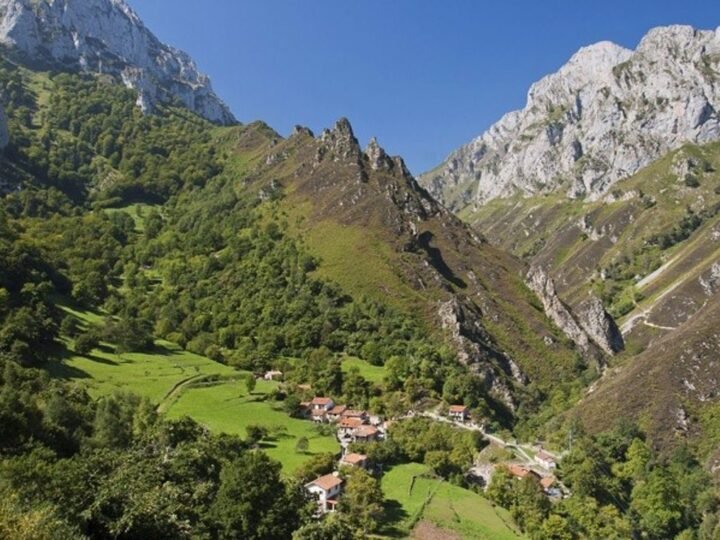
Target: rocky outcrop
<point>588,327</point>
<point>543,286</point>
<point>107,36</point>
<point>339,143</point>
<point>377,157</point>
<point>474,348</point>
<point>4,133</point>
<point>602,117</point>
<point>600,326</point>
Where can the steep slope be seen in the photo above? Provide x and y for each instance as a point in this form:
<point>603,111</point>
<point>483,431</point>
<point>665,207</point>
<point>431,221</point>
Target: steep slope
<point>649,248</point>
<point>377,233</point>
<point>671,389</point>
<point>602,117</point>
<point>107,37</point>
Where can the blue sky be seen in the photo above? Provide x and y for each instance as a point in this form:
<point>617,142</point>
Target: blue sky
<point>424,76</point>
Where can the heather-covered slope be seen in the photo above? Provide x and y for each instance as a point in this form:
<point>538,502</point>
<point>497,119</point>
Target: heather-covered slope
<point>377,233</point>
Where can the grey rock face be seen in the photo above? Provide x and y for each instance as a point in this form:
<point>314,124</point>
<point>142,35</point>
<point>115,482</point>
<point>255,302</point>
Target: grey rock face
<point>589,326</point>
<point>107,36</point>
<point>4,134</point>
<point>462,323</point>
<point>543,286</point>
<point>600,326</point>
<point>603,116</point>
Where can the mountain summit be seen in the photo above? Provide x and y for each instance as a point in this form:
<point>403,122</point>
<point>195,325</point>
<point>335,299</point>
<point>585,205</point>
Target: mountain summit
<point>603,116</point>
<point>107,36</point>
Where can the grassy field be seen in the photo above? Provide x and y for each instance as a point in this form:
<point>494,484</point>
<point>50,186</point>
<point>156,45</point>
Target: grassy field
<point>228,408</point>
<point>152,374</point>
<point>447,506</point>
<point>374,374</point>
<point>172,378</point>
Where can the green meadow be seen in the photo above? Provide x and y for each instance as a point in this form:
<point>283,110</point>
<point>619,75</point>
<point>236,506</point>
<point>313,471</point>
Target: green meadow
<point>371,373</point>
<point>228,408</point>
<point>181,383</point>
<point>412,495</point>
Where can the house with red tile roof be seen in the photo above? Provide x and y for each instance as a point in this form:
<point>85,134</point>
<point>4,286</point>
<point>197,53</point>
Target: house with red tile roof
<point>350,413</point>
<point>459,413</point>
<point>365,433</point>
<point>336,413</point>
<point>520,472</point>
<point>326,490</point>
<point>322,403</point>
<point>354,460</point>
<point>547,482</point>
<point>347,426</point>
<point>545,460</point>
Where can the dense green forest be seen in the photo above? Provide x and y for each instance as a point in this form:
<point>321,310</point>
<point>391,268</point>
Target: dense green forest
<point>214,268</point>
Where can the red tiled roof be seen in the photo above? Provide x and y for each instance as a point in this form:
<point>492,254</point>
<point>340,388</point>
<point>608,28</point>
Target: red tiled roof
<point>351,422</point>
<point>318,413</point>
<point>458,408</point>
<point>547,482</point>
<point>366,431</point>
<point>326,482</point>
<point>321,401</point>
<point>349,413</point>
<point>337,409</point>
<point>354,459</point>
<point>519,470</point>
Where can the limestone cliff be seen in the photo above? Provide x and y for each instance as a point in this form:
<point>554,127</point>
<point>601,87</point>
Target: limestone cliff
<point>107,36</point>
<point>603,116</point>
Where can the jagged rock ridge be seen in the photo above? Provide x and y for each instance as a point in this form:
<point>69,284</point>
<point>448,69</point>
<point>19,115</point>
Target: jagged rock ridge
<point>411,251</point>
<point>107,36</point>
<point>603,116</point>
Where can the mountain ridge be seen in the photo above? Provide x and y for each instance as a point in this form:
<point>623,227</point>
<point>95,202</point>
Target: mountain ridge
<point>601,117</point>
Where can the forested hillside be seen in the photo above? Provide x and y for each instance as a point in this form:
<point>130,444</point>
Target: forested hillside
<point>129,240</point>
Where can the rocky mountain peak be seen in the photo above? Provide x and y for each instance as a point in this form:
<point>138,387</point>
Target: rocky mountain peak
<point>107,36</point>
<point>340,142</point>
<point>377,157</point>
<point>607,113</point>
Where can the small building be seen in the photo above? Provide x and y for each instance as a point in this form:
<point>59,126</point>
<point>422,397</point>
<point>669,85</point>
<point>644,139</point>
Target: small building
<point>520,472</point>
<point>547,482</point>
<point>545,460</point>
<point>336,413</point>
<point>354,460</point>
<point>365,434</point>
<point>347,426</point>
<point>350,413</point>
<point>322,403</point>
<point>459,413</point>
<point>273,375</point>
<point>326,490</point>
